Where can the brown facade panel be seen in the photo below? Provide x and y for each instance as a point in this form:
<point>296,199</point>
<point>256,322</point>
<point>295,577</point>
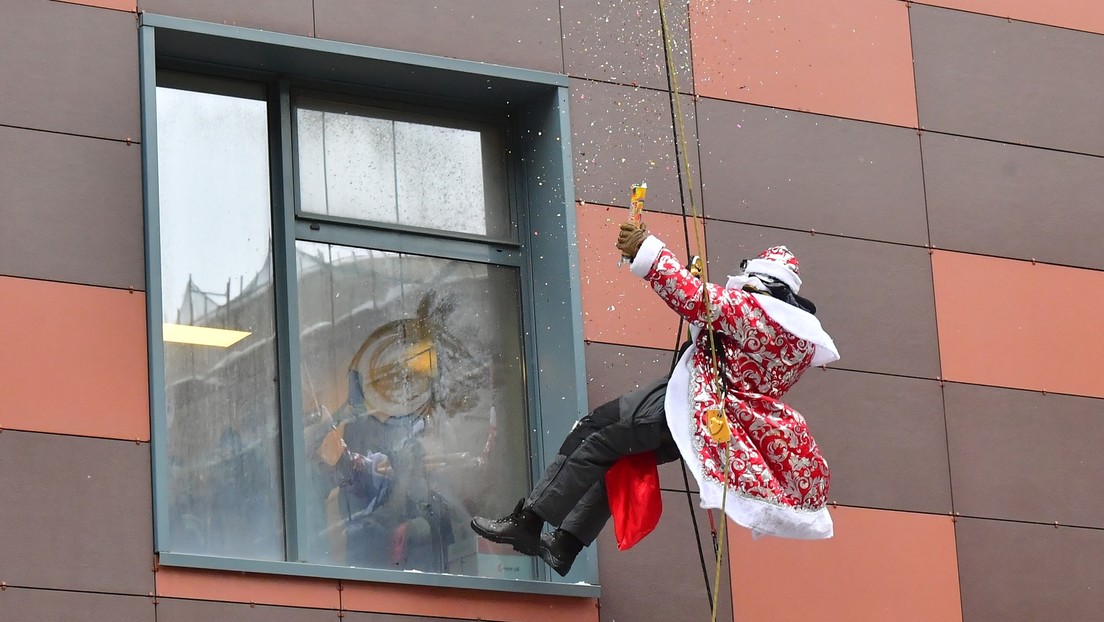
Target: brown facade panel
<point>288,16</point>
<point>874,299</point>
<point>998,324</point>
<point>613,370</point>
<point>173,610</point>
<point>1013,201</point>
<point>69,68</point>
<point>74,360</point>
<point>1075,14</point>
<point>661,577</point>
<point>622,135</point>
<point>622,42</point>
<point>447,603</point>
<point>803,171</point>
<point>849,59</point>
<point>883,436</point>
<point>77,512</point>
<point>1025,456</point>
<point>30,605</point>
<point>618,306</point>
<point>879,565</point>
<point>1016,572</point>
<point>71,209</point>
<point>518,34</point>
<point>1011,81</point>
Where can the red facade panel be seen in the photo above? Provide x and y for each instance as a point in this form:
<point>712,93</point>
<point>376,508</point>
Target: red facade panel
<point>619,307</point>
<point>246,588</point>
<point>74,360</point>
<point>120,5</point>
<point>879,566</point>
<point>1000,323</point>
<point>849,58</point>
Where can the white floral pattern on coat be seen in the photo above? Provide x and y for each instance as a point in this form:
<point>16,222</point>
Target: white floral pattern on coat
<point>772,455</point>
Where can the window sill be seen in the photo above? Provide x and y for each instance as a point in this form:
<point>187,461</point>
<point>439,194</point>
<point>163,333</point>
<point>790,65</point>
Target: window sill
<point>404,577</point>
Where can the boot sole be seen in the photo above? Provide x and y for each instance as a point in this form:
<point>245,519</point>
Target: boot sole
<point>525,548</point>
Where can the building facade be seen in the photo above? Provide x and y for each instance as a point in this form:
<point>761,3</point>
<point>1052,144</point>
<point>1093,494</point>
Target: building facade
<point>405,214</point>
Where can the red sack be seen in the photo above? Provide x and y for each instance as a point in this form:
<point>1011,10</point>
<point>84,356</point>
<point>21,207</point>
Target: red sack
<point>632,486</point>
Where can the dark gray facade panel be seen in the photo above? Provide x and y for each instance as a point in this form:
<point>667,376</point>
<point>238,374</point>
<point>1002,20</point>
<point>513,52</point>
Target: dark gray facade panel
<point>613,370</point>
<point>69,68</point>
<point>661,577</point>
<point>1025,456</point>
<point>1017,572</point>
<point>176,610</point>
<point>518,34</point>
<point>621,42</point>
<point>71,209</point>
<point>1013,201</point>
<point>289,16</point>
<point>622,135</point>
<point>30,605</point>
<point>77,512</point>
<point>991,77</point>
<point>883,436</point>
<point>803,171</point>
<point>876,300</point>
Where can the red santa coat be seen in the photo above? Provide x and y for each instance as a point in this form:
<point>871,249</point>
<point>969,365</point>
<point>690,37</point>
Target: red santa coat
<point>777,478</point>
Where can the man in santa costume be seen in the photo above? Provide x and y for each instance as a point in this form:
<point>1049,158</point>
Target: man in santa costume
<point>732,426</point>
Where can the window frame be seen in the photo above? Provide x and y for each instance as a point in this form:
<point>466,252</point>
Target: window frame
<point>541,204</point>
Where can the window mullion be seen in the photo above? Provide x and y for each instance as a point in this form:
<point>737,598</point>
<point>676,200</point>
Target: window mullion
<point>294,462</point>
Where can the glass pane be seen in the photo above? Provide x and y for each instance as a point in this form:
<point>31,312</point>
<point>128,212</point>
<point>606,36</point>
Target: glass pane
<point>415,408</point>
<point>218,301</point>
<point>364,163</point>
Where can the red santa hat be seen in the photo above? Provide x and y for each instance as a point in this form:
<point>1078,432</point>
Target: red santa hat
<point>779,263</point>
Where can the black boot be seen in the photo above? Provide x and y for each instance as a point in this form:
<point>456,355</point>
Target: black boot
<point>559,549</point>
<point>521,529</point>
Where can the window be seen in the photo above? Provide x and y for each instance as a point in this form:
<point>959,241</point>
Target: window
<point>359,336</point>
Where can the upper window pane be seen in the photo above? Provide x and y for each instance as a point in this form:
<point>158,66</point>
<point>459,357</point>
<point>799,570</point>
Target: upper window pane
<point>219,324</point>
<point>382,166</point>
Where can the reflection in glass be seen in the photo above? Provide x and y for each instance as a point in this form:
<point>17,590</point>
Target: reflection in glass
<point>216,276</point>
<point>414,408</point>
<point>365,163</point>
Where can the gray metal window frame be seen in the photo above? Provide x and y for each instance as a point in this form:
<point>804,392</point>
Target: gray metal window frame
<point>546,253</point>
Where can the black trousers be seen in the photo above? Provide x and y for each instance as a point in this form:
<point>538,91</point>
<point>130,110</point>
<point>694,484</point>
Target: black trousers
<point>571,493</point>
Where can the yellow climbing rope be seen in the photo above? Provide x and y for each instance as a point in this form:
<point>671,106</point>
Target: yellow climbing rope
<point>717,421</point>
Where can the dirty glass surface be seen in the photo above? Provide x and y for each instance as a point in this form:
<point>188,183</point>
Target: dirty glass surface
<point>380,166</point>
<point>218,313</point>
<point>414,408</point>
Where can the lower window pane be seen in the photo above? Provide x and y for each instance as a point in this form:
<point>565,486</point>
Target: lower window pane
<point>414,406</point>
